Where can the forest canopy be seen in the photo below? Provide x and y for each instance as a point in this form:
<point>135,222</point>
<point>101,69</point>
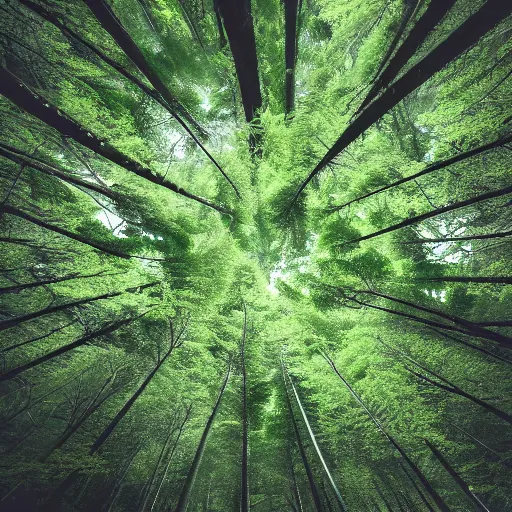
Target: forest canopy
<point>255,255</point>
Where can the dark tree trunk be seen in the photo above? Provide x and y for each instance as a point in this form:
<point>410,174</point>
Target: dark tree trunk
<point>291,10</point>
<point>434,213</point>
<point>416,470</point>
<point>192,472</point>
<point>435,12</point>
<point>7,324</point>
<point>14,90</point>
<point>244,505</point>
<point>20,157</point>
<point>66,348</point>
<point>466,279</point>
<point>459,238</point>
<point>460,40</point>
<point>457,478</point>
<point>238,24</point>
<point>337,493</point>
<point>315,494</point>
<point>430,168</point>
<point>11,210</point>
<point>417,489</point>
<point>118,485</point>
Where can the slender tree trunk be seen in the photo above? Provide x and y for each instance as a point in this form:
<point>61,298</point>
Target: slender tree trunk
<point>27,286</point>
<point>238,24</point>
<point>12,322</point>
<point>435,12</point>
<point>66,348</point>
<point>291,10</point>
<point>434,213</point>
<point>472,327</point>
<point>111,24</point>
<point>127,406</point>
<point>417,489</point>
<point>192,472</point>
<point>244,504</point>
<point>11,210</point>
<point>297,505</point>
<point>339,498</point>
<point>457,478</point>
<point>466,279</point>
<point>429,169</point>
<point>460,40</point>
<point>15,155</point>
<point>416,470</point>
<point>315,494</point>
<point>15,91</point>
<point>169,458</point>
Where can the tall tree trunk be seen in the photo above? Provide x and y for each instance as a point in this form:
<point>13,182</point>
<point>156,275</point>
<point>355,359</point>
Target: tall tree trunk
<point>15,91</point>
<point>416,470</point>
<point>244,505</point>
<point>192,472</point>
<point>434,213</point>
<point>504,234</point>
<point>27,286</point>
<point>12,322</point>
<point>417,489</point>
<point>118,486</point>
<point>11,210</point>
<point>429,169</point>
<point>339,498</point>
<point>70,346</point>
<point>291,10</point>
<point>18,156</point>
<point>466,279</point>
<point>238,24</point>
<point>128,405</point>
<point>169,458</point>
<point>435,12</point>
<point>313,487</point>
<point>460,40</point>
<point>472,327</point>
<point>109,21</point>
<point>457,478</point>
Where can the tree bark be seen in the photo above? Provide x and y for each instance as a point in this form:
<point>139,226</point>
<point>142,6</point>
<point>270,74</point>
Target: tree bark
<point>192,472</point>
<point>291,10</point>
<point>11,210</point>
<point>460,40</point>
<point>429,169</point>
<point>434,213</point>
<point>12,322</point>
<point>244,503</point>
<point>456,477</point>
<point>15,91</point>
<point>66,348</point>
<point>313,487</point>
<point>416,470</point>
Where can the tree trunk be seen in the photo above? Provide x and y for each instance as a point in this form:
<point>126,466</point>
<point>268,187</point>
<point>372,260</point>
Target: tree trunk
<point>66,348</point>
<point>434,213</point>
<point>459,238</point>
<point>111,24</point>
<point>430,168</point>
<point>27,286</point>
<point>315,494</point>
<point>12,322</point>
<point>457,478</point>
<point>417,489</point>
<point>421,477</point>
<point>238,24</point>
<point>15,155</point>
<point>466,279</point>
<point>118,484</point>
<point>56,229</point>
<point>291,10</point>
<point>192,472</point>
<point>244,505</point>
<point>15,91</point>
<point>127,406</point>
<point>435,12</point>
<point>339,498</point>
<point>460,40</point>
